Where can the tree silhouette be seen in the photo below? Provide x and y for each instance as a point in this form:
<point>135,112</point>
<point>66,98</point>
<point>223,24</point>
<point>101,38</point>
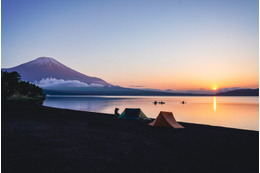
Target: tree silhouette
<point>23,88</point>
<point>12,85</point>
<point>9,83</point>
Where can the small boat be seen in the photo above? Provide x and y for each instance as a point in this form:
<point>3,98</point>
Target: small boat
<point>161,102</point>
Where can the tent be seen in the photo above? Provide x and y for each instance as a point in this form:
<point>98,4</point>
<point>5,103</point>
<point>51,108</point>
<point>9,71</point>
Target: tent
<point>131,113</point>
<point>166,119</point>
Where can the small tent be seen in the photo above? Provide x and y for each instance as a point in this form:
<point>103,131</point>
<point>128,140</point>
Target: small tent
<point>131,113</point>
<point>166,119</point>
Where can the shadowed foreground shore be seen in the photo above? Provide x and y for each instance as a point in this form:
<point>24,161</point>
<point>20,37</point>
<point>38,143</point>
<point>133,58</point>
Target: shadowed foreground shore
<point>42,139</point>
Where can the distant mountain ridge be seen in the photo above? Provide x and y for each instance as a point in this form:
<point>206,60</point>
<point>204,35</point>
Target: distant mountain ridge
<point>110,91</point>
<point>116,90</point>
<point>240,92</point>
<point>45,67</point>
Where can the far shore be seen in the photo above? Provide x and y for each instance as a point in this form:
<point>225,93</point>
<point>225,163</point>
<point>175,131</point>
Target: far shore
<point>43,139</point>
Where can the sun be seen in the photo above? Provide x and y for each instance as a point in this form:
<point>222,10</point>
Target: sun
<point>214,88</point>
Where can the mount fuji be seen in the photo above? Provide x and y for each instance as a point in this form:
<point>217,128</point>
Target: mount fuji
<point>48,72</point>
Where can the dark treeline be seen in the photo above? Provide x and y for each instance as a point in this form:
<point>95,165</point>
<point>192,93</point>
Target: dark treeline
<point>12,85</point>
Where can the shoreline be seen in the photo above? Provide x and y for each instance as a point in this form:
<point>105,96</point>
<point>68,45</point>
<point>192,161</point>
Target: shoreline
<point>154,118</point>
<point>36,138</point>
<point>151,119</point>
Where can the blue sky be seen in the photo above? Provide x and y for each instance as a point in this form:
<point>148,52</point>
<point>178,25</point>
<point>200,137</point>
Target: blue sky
<point>175,44</point>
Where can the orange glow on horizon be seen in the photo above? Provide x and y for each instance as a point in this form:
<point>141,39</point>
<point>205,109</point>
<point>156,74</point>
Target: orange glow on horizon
<point>183,83</point>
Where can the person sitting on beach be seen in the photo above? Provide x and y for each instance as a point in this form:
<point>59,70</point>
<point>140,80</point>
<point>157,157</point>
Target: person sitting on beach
<point>116,112</point>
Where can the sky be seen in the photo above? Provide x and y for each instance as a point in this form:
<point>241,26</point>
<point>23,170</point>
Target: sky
<point>160,44</point>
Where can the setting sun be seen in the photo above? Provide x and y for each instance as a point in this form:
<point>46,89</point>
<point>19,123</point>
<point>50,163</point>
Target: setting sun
<point>214,88</point>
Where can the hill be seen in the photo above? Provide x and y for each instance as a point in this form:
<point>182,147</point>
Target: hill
<point>240,92</point>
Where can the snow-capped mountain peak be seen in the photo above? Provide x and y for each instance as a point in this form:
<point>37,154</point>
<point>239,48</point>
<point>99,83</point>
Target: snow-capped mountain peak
<point>44,61</point>
<point>46,67</point>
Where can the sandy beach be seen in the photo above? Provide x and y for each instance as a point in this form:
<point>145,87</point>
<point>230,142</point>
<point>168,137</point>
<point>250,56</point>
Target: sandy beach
<point>42,139</point>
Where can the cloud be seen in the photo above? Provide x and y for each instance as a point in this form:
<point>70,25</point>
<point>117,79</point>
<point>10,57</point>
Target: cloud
<point>53,82</point>
<point>136,86</point>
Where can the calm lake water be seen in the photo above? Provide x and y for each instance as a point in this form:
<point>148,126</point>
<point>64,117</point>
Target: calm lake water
<point>235,112</point>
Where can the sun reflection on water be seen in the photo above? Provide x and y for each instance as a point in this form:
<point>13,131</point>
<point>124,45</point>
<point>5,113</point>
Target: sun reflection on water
<point>215,104</point>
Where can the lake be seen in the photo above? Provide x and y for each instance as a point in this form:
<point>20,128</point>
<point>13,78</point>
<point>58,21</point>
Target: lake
<point>234,112</point>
